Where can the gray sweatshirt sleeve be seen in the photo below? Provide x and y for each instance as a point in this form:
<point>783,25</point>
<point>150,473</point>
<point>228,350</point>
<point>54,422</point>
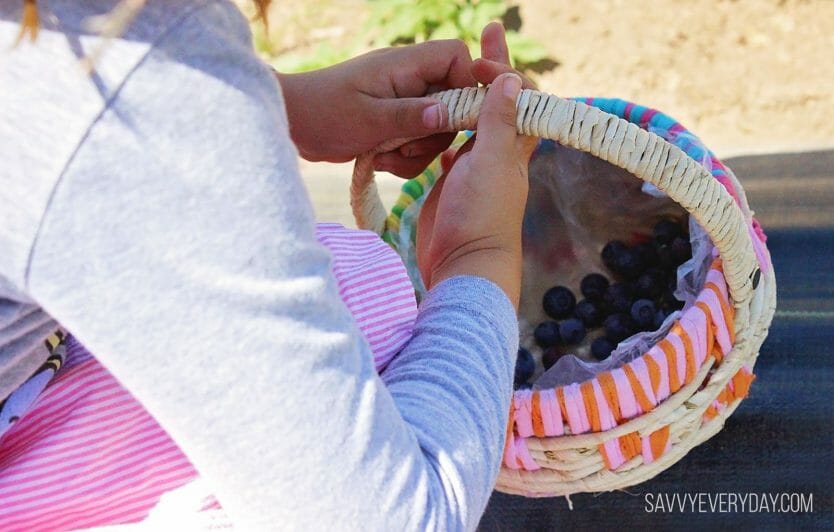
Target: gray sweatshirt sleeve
<point>178,247</point>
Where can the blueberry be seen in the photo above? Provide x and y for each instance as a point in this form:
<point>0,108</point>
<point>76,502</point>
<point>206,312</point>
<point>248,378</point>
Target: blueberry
<point>558,302</point>
<point>642,312</point>
<point>659,317</point>
<point>629,264</point>
<point>611,251</point>
<point>665,258</point>
<point>588,312</point>
<point>524,366</point>
<point>618,327</point>
<point>593,286</point>
<point>601,348</point>
<point>572,331</point>
<point>669,302</point>
<point>650,284</point>
<point>550,356</point>
<point>648,254</point>
<point>546,334</point>
<point>681,250</point>
<point>666,230</point>
<point>618,298</point>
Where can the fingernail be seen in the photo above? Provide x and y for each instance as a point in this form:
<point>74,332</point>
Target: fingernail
<point>432,116</point>
<point>511,85</point>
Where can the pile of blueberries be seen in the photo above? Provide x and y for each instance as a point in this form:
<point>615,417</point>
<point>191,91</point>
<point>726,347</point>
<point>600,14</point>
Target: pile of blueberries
<point>640,298</point>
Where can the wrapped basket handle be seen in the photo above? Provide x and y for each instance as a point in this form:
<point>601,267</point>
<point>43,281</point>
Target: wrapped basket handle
<point>612,139</point>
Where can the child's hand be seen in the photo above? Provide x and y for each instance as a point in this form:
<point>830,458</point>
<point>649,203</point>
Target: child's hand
<point>470,224</point>
<point>348,109</point>
<point>471,221</point>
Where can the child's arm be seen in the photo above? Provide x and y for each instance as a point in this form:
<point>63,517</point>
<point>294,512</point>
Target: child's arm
<point>178,246</point>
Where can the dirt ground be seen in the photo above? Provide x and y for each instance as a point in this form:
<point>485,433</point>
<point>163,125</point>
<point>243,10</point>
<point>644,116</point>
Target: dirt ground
<point>747,76</point>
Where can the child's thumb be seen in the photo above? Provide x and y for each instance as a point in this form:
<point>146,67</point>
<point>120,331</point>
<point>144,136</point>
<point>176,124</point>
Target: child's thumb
<point>412,117</point>
<point>497,122</point>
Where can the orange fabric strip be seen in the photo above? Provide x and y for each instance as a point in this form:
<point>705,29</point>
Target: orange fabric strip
<point>604,454</point>
<point>654,373</point>
<point>741,383</point>
<point>710,325</point>
<point>710,412</point>
<point>609,390</point>
<point>725,396</point>
<point>536,414</point>
<point>639,394</point>
<point>727,309</point>
<point>591,408</point>
<point>658,440</point>
<point>560,397</point>
<point>671,363</point>
<point>630,445</point>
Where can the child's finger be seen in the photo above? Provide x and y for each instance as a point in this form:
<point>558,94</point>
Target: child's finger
<point>494,43</point>
<point>497,132</point>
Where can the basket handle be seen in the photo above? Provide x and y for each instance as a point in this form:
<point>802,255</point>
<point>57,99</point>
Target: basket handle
<point>612,139</point>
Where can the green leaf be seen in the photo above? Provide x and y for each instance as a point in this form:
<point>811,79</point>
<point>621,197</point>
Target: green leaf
<point>524,50</point>
<point>466,17</point>
<point>324,55</point>
<point>447,30</point>
<point>485,12</point>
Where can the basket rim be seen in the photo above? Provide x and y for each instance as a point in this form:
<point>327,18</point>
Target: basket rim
<point>646,118</point>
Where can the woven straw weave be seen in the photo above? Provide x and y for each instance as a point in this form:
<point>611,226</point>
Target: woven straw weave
<point>635,448</point>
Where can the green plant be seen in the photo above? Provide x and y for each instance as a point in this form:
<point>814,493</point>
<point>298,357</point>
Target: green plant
<point>392,22</point>
<point>409,21</point>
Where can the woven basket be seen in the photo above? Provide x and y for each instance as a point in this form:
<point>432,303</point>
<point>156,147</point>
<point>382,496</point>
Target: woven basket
<point>627,425</point>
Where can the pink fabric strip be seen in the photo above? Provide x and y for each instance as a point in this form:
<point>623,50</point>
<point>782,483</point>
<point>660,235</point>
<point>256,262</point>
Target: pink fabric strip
<point>759,248</point>
<point>556,421</point>
<point>522,399</point>
<point>510,453</point>
<point>722,335</point>
<point>694,322</point>
<point>642,373</point>
<point>715,276</point>
<point>646,117</point>
<point>575,406</point>
<point>659,357</point>
<point>615,454</point>
<point>606,417</point>
<point>628,403</point>
<point>646,447</point>
<point>523,454</point>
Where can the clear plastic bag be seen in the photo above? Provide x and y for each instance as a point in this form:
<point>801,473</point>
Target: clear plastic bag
<point>577,204</point>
